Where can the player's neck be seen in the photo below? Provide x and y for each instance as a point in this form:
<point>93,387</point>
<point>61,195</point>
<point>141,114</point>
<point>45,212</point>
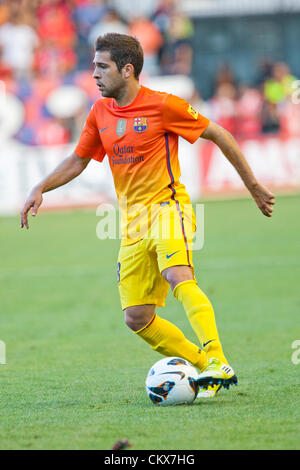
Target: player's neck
<point>128,94</point>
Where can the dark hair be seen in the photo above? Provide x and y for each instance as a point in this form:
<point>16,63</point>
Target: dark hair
<point>123,50</point>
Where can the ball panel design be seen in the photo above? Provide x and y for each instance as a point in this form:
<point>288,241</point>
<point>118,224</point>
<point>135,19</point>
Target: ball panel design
<point>172,381</point>
<point>176,361</point>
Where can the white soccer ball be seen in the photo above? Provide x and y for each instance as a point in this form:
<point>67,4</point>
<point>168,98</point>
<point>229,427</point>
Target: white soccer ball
<point>172,381</point>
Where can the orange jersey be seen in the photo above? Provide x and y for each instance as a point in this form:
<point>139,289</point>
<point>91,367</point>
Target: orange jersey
<point>141,141</point>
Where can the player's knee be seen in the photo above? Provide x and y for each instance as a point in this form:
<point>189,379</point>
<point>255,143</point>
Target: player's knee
<point>177,274</point>
<point>132,322</point>
<point>138,316</point>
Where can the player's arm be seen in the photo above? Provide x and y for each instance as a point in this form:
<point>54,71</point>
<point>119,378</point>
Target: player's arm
<point>229,147</point>
<point>62,174</point>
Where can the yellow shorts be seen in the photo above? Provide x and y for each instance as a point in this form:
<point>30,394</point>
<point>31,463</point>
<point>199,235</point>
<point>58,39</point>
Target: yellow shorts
<point>140,265</point>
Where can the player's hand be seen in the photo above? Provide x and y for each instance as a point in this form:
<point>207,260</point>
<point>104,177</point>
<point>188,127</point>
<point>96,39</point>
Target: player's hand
<point>33,202</point>
<point>264,199</point>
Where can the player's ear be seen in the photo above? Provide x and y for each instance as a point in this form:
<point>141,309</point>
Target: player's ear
<point>128,70</point>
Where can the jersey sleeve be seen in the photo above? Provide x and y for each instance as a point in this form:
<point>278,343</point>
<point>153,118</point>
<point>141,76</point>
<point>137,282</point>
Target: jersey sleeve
<point>182,119</point>
<point>90,145</point>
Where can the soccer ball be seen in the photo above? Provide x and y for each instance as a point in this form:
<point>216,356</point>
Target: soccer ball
<point>172,381</point>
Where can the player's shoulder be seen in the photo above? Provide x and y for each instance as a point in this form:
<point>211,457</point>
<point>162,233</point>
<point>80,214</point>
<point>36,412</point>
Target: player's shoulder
<point>167,100</point>
<point>155,95</point>
<point>156,100</point>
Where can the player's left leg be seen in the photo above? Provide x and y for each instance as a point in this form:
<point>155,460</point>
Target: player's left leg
<point>174,255</point>
<point>173,245</point>
<point>202,318</point>
<point>142,288</point>
<point>162,335</point>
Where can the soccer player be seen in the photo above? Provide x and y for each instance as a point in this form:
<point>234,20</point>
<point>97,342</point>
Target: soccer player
<point>138,129</point>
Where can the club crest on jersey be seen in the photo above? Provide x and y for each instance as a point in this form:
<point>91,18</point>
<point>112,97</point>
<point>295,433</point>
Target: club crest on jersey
<point>121,127</point>
<point>193,112</point>
<point>140,124</point>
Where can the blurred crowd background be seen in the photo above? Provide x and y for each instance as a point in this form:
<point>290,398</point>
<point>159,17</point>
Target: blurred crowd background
<point>46,44</point>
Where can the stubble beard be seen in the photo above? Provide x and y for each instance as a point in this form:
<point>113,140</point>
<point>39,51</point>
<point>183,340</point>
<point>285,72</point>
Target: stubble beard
<point>117,92</point>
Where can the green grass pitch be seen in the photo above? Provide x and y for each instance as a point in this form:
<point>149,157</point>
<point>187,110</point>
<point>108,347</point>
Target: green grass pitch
<point>74,377</point>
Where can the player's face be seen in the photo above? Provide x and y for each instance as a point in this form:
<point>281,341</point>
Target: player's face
<point>108,79</point>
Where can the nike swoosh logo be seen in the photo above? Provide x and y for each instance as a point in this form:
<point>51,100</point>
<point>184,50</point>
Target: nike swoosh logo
<point>101,130</point>
<point>205,344</point>
<point>182,374</point>
<point>169,256</point>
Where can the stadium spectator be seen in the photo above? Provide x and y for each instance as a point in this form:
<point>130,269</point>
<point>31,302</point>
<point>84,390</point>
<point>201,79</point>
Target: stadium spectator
<point>58,36</point>
<point>50,43</point>
<point>162,14</point>
<point>182,60</point>
<point>18,41</point>
<point>223,106</point>
<point>127,8</point>
<point>289,117</point>
<point>151,40</point>
<point>264,71</point>
<point>180,28</point>
<point>176,53</point>
<point>88,13</point>
<point>4,12</point>
<point>55,23</point>
<point>225,76</point>
<point>276,90</point>
<point>248,108</point>
<point>269,118</point>
<point>110,22</point>
<point>278,87</point>
<point>6,71</point>
<point>54,61</point>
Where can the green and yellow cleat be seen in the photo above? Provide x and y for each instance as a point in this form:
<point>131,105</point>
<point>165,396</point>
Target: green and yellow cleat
<point>216,374</point>
<point>209,391</point>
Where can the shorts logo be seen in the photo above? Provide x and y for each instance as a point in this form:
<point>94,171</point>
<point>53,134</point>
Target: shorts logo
<point>121,127</point>
<point>140,124</point>
<point>193,112</point>
<point>169,256</point>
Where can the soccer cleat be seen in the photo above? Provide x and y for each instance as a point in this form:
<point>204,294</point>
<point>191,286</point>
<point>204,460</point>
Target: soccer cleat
<point>209,392</point>
<point>217,373</point>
